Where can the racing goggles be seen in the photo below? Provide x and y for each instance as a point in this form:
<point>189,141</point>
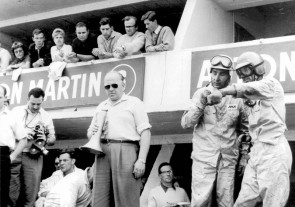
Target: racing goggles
<point>245,71</point>
<point>222,60</point>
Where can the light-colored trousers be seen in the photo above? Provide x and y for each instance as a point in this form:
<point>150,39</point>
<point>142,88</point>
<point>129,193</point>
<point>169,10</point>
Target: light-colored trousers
<point>267,176</point>
<point>114,183</point>
<point>25,178</point>
<point>203,180</point>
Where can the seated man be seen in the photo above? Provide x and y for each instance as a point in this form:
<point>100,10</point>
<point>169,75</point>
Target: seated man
<point>39,51</point>
<point>107,40</point>
<point>157,38</point>
<point>167,194</point>
<point>72,191</point>
<point>67,161</point>
<point>83,44</point>
<point>5,59</point>
<point>130,43</point>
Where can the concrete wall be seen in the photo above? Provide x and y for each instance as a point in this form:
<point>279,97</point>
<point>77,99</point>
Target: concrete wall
<point>204,23</point>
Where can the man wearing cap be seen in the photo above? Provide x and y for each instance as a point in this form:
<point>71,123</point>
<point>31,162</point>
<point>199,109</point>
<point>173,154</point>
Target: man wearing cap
<point>215,137</point>
<point>157,38</point>
<point>125,142</point>
<point>266,179</point>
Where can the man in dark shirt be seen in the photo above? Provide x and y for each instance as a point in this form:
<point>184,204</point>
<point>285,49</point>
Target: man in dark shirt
<point>39,51</point>
<point>83,44</point>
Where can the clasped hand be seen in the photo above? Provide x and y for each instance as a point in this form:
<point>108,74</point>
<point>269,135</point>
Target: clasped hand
<point>214,98</point>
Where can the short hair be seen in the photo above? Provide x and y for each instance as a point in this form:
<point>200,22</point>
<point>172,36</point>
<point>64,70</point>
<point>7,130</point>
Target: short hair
<point>36,92</point>
<point>150,15</point>
<point>71,152</point>
<point>16,45</point>
<point>38,31</point>
<point>118,73</point>
<point>58,31</point>
<point>81,24</point>
<point>4,89</point>
<point>127,18</point>
<point>105,21</point>
<point>162,165</point>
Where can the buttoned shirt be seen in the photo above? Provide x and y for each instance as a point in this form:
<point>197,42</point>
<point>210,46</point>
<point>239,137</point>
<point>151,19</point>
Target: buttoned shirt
<point>63,52</point>
<point>160,197</point>
<point>126,119</point>
<point>37,53</point>
<point>216,128</point>
<point>107,45</point>
<point>11,129</point>
<point>30,120</point>
<point>267,117</point>
<point>132,44</point>
<point>162,35</point>
<point>72,191</point>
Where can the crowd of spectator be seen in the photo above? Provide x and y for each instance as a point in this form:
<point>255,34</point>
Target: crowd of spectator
<point>87,46</point>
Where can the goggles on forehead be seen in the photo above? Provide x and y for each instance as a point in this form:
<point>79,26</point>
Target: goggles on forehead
<point>222,60</point>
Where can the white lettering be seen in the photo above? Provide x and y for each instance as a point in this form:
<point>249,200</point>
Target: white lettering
<point>75,78</point>
<point>94,83</point>
<point>63,85</point>
<point>83,85</point>
<point>273,65</point>
<point>34,85</point>
<point>50,90</point>
<point>16,92</point>
<point>286,63</point>
<point>204,74</point>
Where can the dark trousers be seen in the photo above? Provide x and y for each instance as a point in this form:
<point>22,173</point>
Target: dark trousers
<point>4,175</point>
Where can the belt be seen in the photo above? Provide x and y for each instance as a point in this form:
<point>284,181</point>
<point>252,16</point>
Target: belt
<point>105,141</point>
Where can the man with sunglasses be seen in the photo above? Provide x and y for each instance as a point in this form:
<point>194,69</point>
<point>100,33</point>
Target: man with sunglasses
<point>125,141</point>
<point>266,178</point>
<point>215,137</point>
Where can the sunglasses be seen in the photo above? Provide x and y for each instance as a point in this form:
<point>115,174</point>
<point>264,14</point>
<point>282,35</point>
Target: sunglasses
<point>107,87</point>
<point>221,60</point>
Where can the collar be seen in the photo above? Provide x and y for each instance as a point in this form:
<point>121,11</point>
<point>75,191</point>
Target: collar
<point>112,36</point>
<point>157,31</point>
<point>123,98</point>
<point>39,48</point>
<point>4,110</point>
<point>165,188</point>
<point>30,112</point>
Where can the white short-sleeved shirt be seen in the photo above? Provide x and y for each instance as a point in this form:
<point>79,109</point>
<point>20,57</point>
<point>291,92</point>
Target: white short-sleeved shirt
<point>11,129</point>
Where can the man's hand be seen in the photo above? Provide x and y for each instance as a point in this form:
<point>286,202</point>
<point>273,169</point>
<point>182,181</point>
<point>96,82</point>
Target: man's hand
<point>242,164</point>
<point>204,96</point>
<point>214,98</point>
<point>12,157</point>
<point>39,63</point>
<point>139,169</point>
<point>94,129</point>
<point>44,194</point>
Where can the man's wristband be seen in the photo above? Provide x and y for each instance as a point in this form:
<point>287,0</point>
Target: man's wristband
<point>141,160</point>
